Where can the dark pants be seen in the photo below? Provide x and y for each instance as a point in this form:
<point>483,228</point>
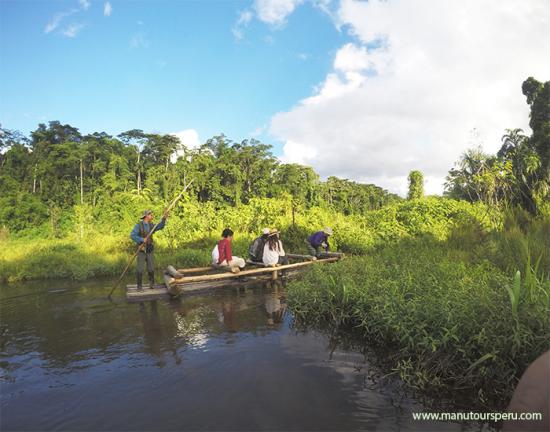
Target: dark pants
<point>283,260</point>
<point>144,258</point>
<point>314,251</point>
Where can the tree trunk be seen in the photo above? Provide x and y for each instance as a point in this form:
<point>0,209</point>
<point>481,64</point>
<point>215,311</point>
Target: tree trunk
<point>34,179</point>
<point>81,183</point>
<point>138,173</point>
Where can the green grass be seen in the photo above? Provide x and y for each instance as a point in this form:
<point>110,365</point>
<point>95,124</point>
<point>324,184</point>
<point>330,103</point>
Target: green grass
<point>191,234</point>
<point>448,314</point>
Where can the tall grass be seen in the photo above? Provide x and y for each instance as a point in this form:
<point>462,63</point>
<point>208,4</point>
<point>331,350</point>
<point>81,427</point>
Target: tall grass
<point>462,313</point>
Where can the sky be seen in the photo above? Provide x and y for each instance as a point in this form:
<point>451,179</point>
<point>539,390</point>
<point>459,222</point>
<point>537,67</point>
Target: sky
<point>365,90</point>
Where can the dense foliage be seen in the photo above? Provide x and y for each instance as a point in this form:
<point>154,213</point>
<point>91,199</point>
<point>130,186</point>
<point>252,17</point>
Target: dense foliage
<point>58,175</point>
<point>519,174</point>
<point>416,185</point>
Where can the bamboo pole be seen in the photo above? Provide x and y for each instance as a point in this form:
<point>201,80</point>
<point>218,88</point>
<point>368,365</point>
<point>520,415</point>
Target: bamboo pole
<point>202,278</point>
<point>196,270</point>
<point>298,256</point>
<point>164,215</point>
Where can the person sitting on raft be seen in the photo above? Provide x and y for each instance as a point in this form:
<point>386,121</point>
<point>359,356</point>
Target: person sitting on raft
<point>273,252</point>
<point>256,249</point>
<point>318,240</point>
<point>224,255</point>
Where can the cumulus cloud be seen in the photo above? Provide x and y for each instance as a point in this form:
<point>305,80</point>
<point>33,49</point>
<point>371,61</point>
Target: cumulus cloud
<point>418,78</point>
<point>107,9</point>
<point>275,12</point>
<point>188,138</point>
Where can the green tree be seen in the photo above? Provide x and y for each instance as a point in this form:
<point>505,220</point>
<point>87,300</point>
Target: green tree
<point>538,98</point>
<point>416,185</point>
<point>299,181</point>
<point>136,138</point>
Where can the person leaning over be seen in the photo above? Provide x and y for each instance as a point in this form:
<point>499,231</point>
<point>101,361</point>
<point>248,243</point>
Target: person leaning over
<point>318,240</point>
<point>225,257</point>
<point>256,249</point>
<point>273,250</point>
<point>145,255</point>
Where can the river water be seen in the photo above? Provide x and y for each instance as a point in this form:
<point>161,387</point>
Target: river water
<point>228,359</point>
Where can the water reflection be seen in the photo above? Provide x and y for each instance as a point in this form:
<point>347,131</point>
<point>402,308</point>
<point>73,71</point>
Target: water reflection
<point>274,303</point>
<point>155,341</point>
<point>84,363</point>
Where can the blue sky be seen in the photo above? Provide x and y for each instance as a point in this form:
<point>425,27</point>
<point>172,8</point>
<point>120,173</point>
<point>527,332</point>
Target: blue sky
<point>162,66</point>
<point>365,90</point>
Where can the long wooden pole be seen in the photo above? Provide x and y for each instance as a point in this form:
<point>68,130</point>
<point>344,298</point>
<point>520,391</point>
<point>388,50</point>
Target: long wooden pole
<point>170,207</point>
<point>228,275</point>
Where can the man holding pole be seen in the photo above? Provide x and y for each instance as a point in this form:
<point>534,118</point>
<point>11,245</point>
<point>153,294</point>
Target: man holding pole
<point>142,235</point>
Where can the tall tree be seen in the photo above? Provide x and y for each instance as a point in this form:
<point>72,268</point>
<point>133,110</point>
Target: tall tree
<point>137,139</point>
<point>416,185</point>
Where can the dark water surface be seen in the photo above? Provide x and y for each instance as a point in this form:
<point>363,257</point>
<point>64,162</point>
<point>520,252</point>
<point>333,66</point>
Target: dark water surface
<point>224,360</point>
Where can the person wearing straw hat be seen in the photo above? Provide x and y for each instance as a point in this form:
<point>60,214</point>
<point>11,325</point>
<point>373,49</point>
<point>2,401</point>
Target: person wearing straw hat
<point>274,253</point>
<point>256,249</point>
<point>318,241</point>
<point>145,255</point>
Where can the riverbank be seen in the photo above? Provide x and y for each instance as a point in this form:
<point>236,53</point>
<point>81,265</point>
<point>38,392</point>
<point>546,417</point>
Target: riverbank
<point>80,260</point>
<point>452,314</point>
<point>189,236</point>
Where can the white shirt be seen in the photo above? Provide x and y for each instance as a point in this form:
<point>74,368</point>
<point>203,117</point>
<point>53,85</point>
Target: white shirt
<point>271,257</point>
<point>215,255</point>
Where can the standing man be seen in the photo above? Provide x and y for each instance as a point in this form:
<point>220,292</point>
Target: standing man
<point>318,240</point>
<point>145,255</point>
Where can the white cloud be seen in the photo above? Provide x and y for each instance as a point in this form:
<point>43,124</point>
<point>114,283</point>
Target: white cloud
<point>72,30</point>
<point>84,4</point>
<point>139,41</point>
<point>275,12</point>
<point>242,22</point>
<point>107,9</point>
<point>419,78</point>
<point>188,138</point>
<point>56,20</point>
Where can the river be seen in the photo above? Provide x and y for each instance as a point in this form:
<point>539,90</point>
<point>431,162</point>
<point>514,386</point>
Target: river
<point>228,359</point>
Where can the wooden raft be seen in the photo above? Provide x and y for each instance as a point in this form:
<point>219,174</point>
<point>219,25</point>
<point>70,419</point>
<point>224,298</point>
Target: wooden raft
<point>180,281</point>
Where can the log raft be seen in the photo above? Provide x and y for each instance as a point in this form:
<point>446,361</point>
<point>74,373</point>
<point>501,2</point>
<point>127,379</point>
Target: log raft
<point>180,281</point>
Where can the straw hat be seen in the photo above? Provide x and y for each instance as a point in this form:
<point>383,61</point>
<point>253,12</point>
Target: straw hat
<point>266,231</point>
<point>145,213</point>
<point>327,231</point>
<point>273,232</point>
